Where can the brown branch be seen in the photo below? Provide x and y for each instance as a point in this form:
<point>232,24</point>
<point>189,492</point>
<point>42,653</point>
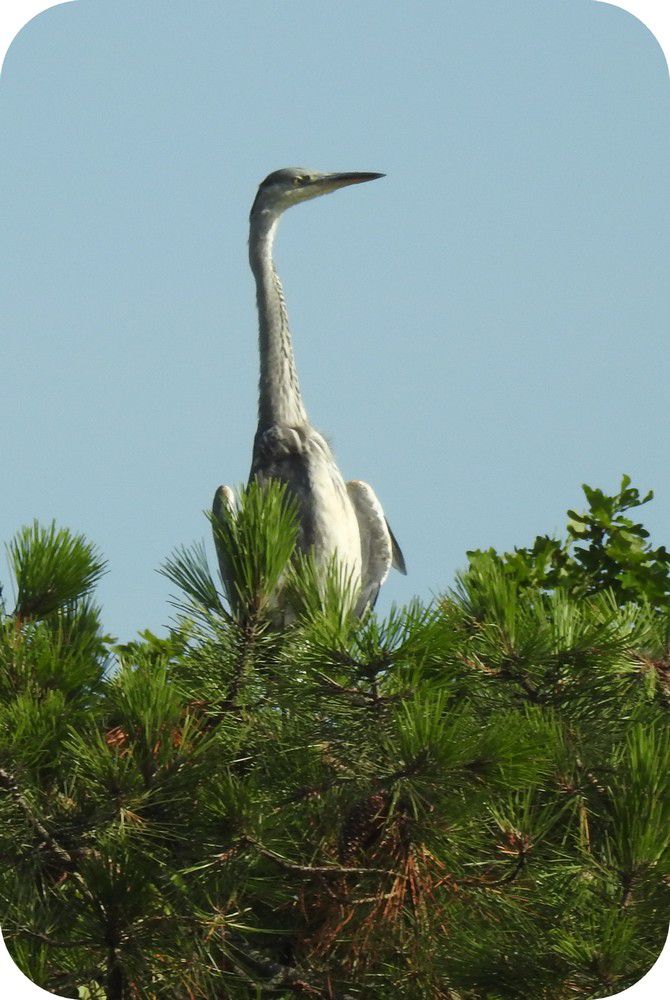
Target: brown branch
<point>8,782</point>
<point>278,975</point>
<point>364,900</point>
<point>535,696</point>
<point>361,696</point>
<point>327,871</point>
<point>410,769</point>
<point>307,791</point>
<point>505,673</point>
<point>81,943</point>
<point>627,882</point>
<point>245,657</point>
<point>406,772</point>
<point>482,882</point>
<point>591,777</point>
<point>115,978</point>
<point>510,877</point>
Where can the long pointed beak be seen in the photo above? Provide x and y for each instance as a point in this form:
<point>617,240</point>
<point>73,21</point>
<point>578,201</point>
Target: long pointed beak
<point>331,182</point>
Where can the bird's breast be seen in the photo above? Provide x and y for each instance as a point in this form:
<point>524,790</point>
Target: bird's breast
<point>334,522</point>
<point>300,457</point>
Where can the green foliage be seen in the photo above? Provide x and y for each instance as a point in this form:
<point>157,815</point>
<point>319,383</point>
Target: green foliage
<point>464,800</point>
<point>255,543</point>
<point>52,568</point>
<point>189,570</point>
<point>604,550</point>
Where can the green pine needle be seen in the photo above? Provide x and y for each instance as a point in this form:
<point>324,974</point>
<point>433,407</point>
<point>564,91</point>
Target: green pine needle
<point>52,567</point>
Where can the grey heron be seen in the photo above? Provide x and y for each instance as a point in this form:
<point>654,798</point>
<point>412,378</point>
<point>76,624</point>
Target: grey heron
<point>337,520</point>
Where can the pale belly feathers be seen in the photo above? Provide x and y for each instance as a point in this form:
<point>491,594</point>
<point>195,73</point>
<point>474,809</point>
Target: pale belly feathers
<point>301,457</point>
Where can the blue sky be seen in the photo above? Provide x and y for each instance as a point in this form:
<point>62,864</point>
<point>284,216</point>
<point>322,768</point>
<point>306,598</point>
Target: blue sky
<point>478,333</point>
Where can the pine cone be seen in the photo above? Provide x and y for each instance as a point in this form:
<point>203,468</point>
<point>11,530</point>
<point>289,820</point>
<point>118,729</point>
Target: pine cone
<point>363,824</point>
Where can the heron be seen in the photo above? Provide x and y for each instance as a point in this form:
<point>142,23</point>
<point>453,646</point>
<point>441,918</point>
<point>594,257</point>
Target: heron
<point>337,520</point>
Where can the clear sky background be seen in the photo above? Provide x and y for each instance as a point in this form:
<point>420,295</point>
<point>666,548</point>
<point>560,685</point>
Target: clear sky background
<point>478,333</point>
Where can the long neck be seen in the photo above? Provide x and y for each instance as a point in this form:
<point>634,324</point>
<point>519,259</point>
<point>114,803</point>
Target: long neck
<point>279,400</point>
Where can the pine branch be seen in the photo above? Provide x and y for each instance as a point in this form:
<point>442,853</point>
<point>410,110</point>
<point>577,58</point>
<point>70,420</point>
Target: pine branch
<point>592,779</point>
<point>278,975</point>
<point>627,884</point>
<point>513,786</point>
<point>9,783</point>
<point>327,871</point>
<point>52,568</point>
<point>359,696</point>
<point>47,939</point>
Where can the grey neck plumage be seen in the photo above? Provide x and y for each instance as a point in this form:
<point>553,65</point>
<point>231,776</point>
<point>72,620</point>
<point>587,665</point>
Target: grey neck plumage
<point>279,399</point>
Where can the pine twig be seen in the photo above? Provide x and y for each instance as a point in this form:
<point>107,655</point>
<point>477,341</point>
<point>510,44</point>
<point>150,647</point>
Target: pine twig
<point>627,883</point>
<point>328,871</point>
<point>45,939</point>
<point>9,783</point>
<point>361,697</point>
<point>278,975</point>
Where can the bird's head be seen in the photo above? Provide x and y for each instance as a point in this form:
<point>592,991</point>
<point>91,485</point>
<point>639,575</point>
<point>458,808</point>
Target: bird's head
<point>291,185</point>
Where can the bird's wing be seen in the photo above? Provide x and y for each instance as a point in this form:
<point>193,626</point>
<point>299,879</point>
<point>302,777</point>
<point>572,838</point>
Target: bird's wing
<point>379,549</point>
<point>224,504</point>
<point>398,557</point>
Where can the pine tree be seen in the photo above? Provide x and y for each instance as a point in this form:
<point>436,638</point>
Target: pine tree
<point>468,799</point>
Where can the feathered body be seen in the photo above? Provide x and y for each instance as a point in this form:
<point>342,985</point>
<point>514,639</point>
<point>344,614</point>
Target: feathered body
<point>338,519</point>
<point>300,457</point>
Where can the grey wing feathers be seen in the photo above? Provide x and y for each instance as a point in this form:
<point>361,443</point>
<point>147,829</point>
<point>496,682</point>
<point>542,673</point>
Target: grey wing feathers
<point>379,549</point>
<point>398,557</point>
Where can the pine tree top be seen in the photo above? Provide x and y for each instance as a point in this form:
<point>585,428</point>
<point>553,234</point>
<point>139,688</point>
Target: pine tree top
<point>466,799</point>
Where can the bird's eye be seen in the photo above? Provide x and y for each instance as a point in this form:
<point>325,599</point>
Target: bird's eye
<point>298,181</point>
